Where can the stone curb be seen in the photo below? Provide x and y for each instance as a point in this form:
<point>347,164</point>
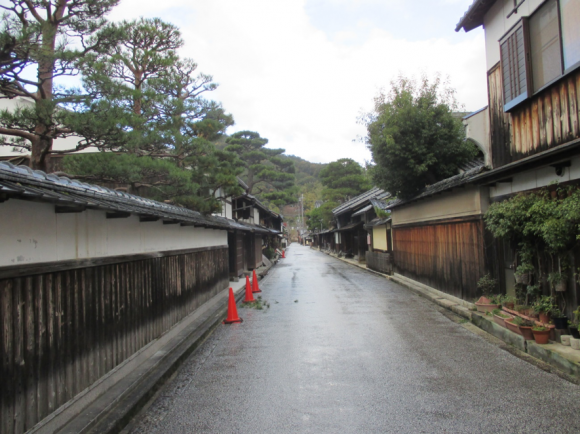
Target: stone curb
<point>108,405</point>
<point>556,355</point>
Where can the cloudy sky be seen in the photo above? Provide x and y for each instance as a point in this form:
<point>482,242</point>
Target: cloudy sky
<point>301,71</point>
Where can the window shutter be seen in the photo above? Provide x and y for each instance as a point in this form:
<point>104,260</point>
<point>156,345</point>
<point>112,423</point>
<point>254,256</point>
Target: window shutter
<point>514,65</point>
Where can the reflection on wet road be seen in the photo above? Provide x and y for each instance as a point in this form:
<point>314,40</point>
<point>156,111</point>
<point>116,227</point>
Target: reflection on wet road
<point>343,350</point>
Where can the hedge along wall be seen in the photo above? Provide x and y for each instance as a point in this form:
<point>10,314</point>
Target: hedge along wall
<point>66,324</point>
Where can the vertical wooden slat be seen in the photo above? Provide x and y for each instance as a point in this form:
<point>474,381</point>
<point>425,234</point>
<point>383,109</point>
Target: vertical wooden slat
<point>30,359</point>
<point>574,129</point>
<point>60,356</point>
<point>68,342</point>
<point>51,319</point>
<point>549,119</point>
<point>108,317</point>
<point>77,332</point>
<point>18,316</point>
<point>556,118</point>
<point>535,126</point>
<point>564,111</point>
<point>529,131</point>
<point>7,380</point>
<point>542,123</point>
<point>42,288</point>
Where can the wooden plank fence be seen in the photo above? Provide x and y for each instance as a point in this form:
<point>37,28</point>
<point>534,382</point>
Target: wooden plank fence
<point>64,329</point>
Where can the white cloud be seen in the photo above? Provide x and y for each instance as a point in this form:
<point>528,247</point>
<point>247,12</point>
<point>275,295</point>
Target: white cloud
<point>287,80</point>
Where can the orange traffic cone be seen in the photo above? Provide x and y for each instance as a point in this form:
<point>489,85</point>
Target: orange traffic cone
<point>249,295</point>
<point>283,253</point>
<point>232,310</point>
<point>255,286</point>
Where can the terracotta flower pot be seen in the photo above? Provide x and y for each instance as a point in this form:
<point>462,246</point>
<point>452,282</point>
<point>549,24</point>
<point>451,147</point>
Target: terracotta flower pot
<point>484,305</point>
<point>541,337</point>
<point>527,333</point>
<point>544,318</point>
<point>500,321</point>
<point>512,327</point>
<point>509,305</point>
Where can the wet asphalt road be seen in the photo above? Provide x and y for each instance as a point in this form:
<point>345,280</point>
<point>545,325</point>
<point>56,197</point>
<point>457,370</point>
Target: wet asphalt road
<point>341,350</point>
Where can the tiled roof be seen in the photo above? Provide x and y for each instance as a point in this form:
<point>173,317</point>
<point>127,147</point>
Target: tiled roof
<point>21,182</point>
<point>478,162</point>
<point>446,184</point>
<point>360,200</point>
<point>473,18</point>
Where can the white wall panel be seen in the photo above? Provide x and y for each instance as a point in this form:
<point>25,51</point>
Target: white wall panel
<point>32,232</point>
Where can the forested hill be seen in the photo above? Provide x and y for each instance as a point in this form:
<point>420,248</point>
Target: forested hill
<point>307,180</point>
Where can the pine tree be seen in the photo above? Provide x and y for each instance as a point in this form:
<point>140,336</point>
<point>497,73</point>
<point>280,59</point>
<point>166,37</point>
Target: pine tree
<point>39,34</point>
<point>266,172</point>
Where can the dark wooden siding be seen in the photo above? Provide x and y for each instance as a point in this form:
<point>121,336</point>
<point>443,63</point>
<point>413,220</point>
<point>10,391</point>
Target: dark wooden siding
<point>63,330</point>
<point>546,120</point>
<point>448,256</point>
<point>499,121</point>
<point>380,261</point>
<point>258,250</point>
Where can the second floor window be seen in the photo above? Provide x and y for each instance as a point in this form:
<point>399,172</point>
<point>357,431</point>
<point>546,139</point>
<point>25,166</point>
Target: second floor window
<point>540,49</point>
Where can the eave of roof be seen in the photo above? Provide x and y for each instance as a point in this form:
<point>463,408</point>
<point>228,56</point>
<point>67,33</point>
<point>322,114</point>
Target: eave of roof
<point>363,210</point>
<point>473,17</point>
<point>474,113</point>
<point>441,186</point>
<point>23,183</point>
<point>356,201</point>
<point>349,227</point>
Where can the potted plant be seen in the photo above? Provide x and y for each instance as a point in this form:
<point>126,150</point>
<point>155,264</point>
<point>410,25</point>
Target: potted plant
<point>541,334</point>
<point>574,325</point>
<point>499,317</point>
<point>512,324</point>
<point>543,306</point>
<point>524,273</point>
<point>508,301</point>
<point>524,327</point>
<point>558,318</point>
<point>558,281</point>
<point>485,304</point>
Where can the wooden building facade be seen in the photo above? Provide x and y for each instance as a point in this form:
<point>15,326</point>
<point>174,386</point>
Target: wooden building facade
<point>532,139</point>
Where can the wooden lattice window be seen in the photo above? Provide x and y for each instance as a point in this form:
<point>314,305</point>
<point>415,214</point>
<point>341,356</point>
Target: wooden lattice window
<point>514,63</point>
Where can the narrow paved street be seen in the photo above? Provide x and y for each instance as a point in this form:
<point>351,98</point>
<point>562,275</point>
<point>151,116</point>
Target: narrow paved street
<point>343,350</point>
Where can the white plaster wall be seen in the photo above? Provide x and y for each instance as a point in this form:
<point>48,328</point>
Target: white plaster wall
<point>256,216</point>
<point>463,202</point>
<point>496,24</point>
<point>477,129</point>
<point>32,232</point>
<point>537,178</point>
<point>380,237</point>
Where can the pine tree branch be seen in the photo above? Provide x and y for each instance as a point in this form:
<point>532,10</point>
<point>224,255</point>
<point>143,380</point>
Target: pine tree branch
<point>18,133</point>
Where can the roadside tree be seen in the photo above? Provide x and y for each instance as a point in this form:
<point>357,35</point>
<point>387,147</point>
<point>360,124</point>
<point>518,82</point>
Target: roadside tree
<point>48,36</point>
<point>266,172</point>
<point>342,180</point>
<point>414,138</point>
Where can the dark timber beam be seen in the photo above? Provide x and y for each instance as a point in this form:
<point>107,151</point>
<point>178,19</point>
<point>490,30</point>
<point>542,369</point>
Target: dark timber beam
<point>148,218</point>
<point>67,209</point>
<point>118,215</point>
